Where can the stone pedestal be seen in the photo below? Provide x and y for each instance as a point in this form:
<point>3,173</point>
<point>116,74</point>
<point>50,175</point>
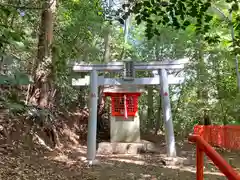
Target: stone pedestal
<point>125,130</point>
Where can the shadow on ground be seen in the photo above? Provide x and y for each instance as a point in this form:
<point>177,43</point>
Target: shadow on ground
<point>140,167</point>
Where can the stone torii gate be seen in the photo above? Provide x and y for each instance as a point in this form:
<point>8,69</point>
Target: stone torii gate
<point>129,68</point>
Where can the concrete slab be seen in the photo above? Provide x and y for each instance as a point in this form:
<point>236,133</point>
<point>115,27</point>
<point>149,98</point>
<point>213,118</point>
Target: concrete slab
<point>127,148</point>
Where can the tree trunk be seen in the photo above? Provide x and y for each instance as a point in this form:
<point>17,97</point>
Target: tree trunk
<point>103,128</point>
<point>43,88</point>
<point>159,120</point>
<point>202,77</point>
<point>107,41</point>
<point>42,93</point>
<point>150,108</point>
<point>106,59</point>
<point>220,90</point>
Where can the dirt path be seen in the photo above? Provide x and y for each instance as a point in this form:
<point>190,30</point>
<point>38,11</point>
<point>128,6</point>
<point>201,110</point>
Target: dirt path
<point>69,165</point>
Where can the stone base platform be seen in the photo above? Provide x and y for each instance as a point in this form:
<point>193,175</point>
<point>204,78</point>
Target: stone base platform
<point>127,148</point>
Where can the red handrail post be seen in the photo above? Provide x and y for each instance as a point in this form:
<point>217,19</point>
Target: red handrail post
<point>200,163</point>
<point>204,147</point>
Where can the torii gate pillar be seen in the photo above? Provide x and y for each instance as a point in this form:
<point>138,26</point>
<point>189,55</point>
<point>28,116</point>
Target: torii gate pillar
<point>167,114</point>
<point>92,122</point>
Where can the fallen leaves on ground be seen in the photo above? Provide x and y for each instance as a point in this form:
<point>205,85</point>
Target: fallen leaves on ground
<point>21,164</point>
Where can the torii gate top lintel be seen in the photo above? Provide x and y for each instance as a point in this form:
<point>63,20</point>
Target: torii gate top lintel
<point>139,66</point>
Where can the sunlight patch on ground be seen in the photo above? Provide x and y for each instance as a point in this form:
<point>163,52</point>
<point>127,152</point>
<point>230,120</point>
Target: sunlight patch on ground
<point>121,156</point>
<point>181,168</point>
<point>129,161</point>
<point>193,170</point>
<point>64,159</point>
<point>80,149</point>
<point>139,159</point>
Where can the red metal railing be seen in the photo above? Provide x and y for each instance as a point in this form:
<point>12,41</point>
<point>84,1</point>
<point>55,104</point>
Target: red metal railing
<point>203,147</point>
<point>227,136</point>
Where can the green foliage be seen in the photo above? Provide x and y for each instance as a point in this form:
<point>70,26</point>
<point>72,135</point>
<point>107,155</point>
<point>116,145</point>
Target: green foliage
<point>18,79</point>
<point>13,74</point>
<point>180,14</point>
<point>174,13</point>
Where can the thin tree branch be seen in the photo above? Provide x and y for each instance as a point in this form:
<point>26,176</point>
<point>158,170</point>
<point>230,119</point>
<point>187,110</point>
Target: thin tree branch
<point>20,6</point>
<point>222,14</point>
